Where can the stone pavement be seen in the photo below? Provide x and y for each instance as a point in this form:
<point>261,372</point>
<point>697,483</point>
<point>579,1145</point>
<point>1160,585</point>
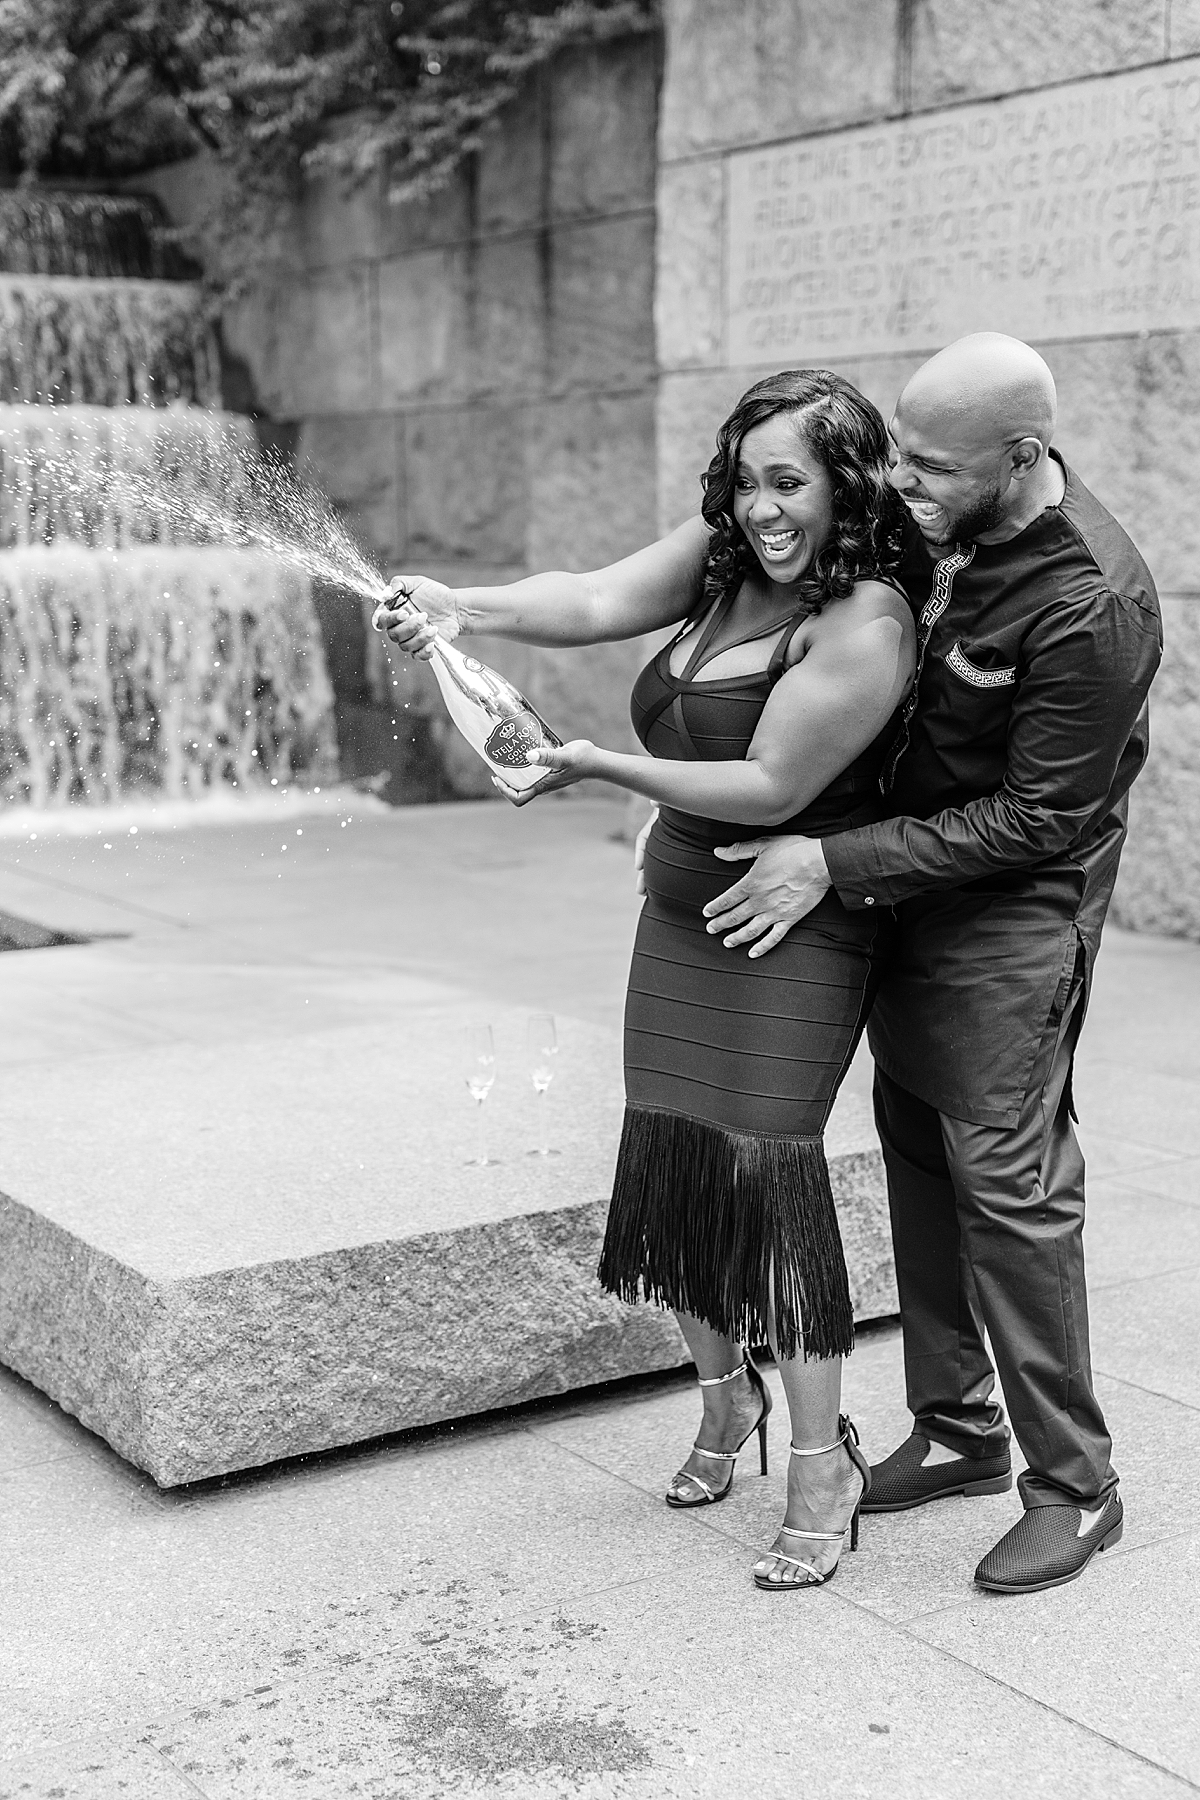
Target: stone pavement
<point>505,1607</point>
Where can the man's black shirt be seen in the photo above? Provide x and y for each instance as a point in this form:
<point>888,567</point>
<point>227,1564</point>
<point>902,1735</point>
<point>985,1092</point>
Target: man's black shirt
<point>1009,797</point>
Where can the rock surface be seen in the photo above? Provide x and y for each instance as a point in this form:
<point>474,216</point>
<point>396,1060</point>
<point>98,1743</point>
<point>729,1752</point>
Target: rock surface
<point>235,1220</point>
<point>219,1285</point>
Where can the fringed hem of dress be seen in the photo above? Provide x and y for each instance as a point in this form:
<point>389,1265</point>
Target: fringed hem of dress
<point>725,1225</point>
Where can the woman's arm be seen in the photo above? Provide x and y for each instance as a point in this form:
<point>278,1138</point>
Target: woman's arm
<point>654,587</point>
<point>821,715</point>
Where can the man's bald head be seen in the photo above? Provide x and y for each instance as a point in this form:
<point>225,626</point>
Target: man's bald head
<point>987,389</point>
<point>972,430</point>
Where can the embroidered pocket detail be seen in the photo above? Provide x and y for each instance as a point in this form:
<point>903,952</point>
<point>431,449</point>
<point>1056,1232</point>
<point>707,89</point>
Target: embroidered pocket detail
<point>975,676</point>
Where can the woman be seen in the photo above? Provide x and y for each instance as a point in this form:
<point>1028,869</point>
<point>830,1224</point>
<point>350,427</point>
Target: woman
<point>769,712</point>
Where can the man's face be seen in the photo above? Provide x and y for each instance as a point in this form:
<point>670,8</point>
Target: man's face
<point>951,486</point>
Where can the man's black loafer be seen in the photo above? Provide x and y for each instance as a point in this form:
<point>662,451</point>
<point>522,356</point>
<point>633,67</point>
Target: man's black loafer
<point>1050,1545</point>
<point>900,1481</point>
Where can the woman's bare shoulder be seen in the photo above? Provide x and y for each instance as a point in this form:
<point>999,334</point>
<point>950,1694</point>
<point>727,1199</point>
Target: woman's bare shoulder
<point>875,599</point>
<point>869,603</point>
<point>872,613</point>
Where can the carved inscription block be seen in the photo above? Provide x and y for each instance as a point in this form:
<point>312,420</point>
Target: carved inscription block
<point>1072,212</point>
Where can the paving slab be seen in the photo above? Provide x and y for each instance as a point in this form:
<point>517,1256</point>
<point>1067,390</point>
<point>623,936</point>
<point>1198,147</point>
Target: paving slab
<point>251,1232</point>
<point>1131,1232</point>
<point>483,1613</point>
<point>1177,1180</point>
<point>33,1430</point>
<point>1107,1153</point>
<point>582,1702</point>
<point>97,1770</point>
<point>129,1607</point>
<point>1125,1644</point>
<point>1148,1333</point>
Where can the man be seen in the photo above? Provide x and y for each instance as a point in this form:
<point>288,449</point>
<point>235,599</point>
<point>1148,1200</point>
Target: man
<point>1039,635</point>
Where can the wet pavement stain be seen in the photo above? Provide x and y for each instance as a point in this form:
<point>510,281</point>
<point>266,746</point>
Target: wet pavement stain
<point>467,1723</point>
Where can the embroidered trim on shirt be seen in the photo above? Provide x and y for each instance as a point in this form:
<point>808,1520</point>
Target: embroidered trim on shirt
<point>972,673</point>
<point>935,606</point>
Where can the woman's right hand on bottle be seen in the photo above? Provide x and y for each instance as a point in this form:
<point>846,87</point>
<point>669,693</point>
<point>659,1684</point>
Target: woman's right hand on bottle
<point>417,610</point>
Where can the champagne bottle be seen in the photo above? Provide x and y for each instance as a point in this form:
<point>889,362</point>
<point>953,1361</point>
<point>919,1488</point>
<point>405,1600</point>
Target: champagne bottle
<point>494,716</point>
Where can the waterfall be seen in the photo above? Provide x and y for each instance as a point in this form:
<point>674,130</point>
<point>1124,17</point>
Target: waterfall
<point>112,342</point>
<point>138,652</point>
<point>155,669</point>
<point>51,232</point>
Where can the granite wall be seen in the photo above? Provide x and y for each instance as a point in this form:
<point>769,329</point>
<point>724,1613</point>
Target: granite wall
<point>767,71</point>
<point>472,379</point>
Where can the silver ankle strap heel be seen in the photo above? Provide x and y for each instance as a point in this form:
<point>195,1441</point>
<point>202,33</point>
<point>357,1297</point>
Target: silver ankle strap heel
<point>716,1380</point>
<point>709,1495</point>
<point>813,1576</point>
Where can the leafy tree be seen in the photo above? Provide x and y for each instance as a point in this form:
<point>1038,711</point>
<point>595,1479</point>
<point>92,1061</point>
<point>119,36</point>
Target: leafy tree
<point>101,88</point>
<point>274,88</point>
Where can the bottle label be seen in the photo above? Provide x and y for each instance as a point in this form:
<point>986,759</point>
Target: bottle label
<point>513,738</point>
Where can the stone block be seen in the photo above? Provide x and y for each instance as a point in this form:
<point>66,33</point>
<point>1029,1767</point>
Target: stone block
<point>468,494</point>
<point>1129,422</point>
<point>339,219</point>
<point>423,326</point>
<point>1159,885</point>
<point>197,190</point>
<point>601,303</point>
<point>603,124</point>
<point>325,343</point>
<point>1183,28</point>
<point>256,1259</point>
<point>963,51</point>
<point>591,479</point>
<point>510,173</point>
<point>773,69</point>
<point>252,341</point>
<point>688,296</point>
<point>437,220</point>
<point>507,292</point>
<point>880,378</point>
<point>690,406</point>
<point>355,459</point>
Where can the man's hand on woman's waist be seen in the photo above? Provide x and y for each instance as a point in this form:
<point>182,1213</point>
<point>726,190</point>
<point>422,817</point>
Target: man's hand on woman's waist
<point>788,878</point>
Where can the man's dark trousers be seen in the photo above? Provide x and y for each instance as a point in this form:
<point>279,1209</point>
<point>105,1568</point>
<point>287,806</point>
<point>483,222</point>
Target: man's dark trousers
<point>987,1226</point>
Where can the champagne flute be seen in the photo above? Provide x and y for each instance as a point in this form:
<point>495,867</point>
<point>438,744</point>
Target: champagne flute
<point>479,1068</point>
<point>542,1043</point>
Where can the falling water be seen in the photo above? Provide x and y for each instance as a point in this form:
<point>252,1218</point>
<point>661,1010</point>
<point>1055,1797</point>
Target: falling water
<point>156,669</point>
<point>220,664</point>
<point>108,343</point>
<point>157,630</point>
<point>50,231</point>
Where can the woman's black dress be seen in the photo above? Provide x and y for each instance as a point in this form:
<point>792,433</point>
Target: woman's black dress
<point>721,1204</point>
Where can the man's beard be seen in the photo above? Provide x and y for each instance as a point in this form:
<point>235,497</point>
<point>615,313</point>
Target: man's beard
<point>983,514</point>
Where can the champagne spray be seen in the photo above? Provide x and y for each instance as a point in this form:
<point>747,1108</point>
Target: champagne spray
<point>494,716</point>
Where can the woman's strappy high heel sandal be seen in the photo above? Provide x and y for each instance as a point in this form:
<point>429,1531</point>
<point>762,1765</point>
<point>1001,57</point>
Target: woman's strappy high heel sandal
<point>812,1577</point>
<point>706,1494</point>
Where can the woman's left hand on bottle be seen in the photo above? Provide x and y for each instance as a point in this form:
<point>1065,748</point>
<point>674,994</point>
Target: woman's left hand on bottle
<point>568,764</point>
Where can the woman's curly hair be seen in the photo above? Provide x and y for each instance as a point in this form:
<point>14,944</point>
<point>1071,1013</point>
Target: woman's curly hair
<point>847,433</point>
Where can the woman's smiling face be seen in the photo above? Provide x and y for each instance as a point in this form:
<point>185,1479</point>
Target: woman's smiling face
<point>782,498</point>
